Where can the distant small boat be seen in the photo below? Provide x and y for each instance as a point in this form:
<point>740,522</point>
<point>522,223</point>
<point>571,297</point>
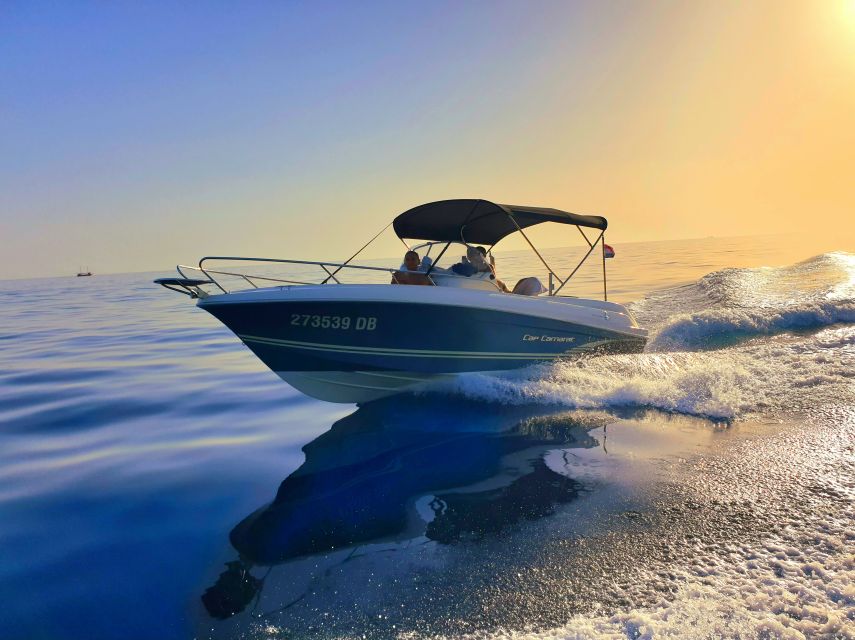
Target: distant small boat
<point>80,274</point>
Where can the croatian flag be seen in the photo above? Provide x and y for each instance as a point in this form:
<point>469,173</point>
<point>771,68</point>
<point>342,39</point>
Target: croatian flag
<point>608,252</point>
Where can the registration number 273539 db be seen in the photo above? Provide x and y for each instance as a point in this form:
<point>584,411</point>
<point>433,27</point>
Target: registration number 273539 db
<point>344,323</point>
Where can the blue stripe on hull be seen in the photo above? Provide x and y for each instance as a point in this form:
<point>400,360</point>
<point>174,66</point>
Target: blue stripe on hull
<point>355,336</point>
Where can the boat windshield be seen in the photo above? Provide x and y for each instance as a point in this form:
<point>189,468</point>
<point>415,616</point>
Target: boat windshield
<point>437,256</point>
<point>454,264</point>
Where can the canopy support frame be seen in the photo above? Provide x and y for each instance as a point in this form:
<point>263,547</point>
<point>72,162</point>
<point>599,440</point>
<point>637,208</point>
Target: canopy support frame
<point>552,273</point>
<point>533,248</point>
<point>581,262</point>
<point>603,243</point>
<point>584,236</point>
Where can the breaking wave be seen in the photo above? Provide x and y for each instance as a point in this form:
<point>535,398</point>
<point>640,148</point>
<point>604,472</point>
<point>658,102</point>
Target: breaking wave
<point>718,327</point>
<point>732,305</point>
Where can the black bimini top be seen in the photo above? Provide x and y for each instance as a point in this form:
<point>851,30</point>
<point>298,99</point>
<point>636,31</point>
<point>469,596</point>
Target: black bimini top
<point>480,221</point>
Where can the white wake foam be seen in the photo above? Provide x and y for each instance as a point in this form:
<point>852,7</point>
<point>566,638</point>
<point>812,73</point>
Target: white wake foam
<point>674,382</point>
<point>790,373</point>
<point>738,342</point>
<point>776,591</point>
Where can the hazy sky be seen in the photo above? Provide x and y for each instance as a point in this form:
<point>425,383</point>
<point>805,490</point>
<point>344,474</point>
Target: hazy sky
<point>137,135</point>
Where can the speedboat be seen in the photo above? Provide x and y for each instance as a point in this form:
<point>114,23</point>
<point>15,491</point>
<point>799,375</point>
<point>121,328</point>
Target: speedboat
<point>341,341</point>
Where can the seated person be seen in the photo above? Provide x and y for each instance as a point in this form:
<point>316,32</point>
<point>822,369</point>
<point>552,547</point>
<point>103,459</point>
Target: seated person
<point>491,265</point>
<point>478,258</point>
<point>411,261</point>
<point>474,264</point>
<point>409,274</point>
<point>464,267</point>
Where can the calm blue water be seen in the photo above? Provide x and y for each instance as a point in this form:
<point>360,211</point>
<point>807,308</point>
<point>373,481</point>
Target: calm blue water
<point>705,484</point>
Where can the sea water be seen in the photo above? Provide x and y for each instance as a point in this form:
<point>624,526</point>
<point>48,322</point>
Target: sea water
<point>157,481</point>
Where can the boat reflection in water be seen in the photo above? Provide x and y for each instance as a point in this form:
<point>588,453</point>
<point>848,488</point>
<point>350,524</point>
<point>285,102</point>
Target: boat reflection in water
<point>395,483</point>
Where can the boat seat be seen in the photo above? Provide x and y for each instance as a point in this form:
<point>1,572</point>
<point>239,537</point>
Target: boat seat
<point>529,287</point>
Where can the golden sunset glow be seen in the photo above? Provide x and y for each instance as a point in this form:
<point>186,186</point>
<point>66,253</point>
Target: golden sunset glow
<point>315,129</point>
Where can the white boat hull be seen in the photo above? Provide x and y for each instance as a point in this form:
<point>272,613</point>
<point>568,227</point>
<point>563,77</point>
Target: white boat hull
<point>356,386</point>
